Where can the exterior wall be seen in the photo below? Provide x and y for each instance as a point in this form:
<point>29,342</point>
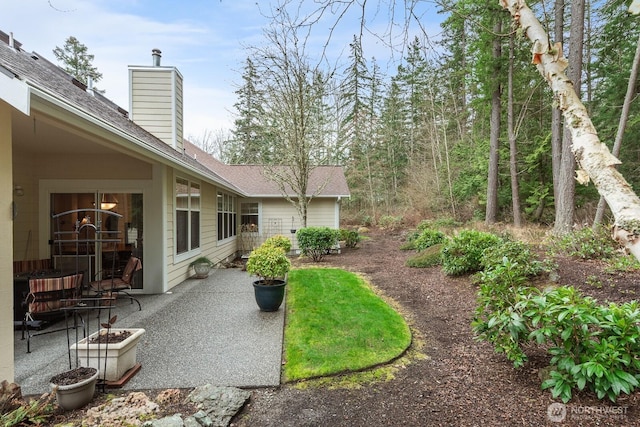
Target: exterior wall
<point>178,269</point>
<point>156,102</point>
<point>6,256</point>
<point>278,216</point>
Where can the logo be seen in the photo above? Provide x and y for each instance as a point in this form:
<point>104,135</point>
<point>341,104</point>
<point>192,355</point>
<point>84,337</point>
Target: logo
<point>557,412</point>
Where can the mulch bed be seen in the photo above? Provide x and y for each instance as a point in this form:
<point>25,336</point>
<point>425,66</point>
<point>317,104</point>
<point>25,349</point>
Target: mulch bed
<point>462,382</point>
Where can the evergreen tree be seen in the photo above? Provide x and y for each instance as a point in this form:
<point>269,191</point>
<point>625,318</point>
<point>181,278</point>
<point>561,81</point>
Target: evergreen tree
<point>249,145</point>
<point>77,61</point>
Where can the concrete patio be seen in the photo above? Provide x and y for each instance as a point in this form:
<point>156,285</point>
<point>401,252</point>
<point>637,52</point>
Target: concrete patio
<point>202,331</point>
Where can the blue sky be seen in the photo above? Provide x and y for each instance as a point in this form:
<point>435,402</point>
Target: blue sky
<point>204,39</point>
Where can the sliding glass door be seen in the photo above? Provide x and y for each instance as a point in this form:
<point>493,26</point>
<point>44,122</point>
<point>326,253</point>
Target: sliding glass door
<point>95,256</point>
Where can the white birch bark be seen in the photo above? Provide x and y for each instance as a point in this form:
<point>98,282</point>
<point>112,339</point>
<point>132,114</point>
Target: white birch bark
<point>593,158</point>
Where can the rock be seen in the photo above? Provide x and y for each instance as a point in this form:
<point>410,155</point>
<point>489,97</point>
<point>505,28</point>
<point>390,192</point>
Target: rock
<point>168,396</point>
<point>121,411</point>
<point>172,421</point>
<point>218,404</point>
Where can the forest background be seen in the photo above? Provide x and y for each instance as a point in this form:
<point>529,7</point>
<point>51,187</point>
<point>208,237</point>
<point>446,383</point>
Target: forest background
<point>464,127</point>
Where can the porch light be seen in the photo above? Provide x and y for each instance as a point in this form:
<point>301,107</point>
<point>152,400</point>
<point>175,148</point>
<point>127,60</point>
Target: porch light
<point>108,202</point>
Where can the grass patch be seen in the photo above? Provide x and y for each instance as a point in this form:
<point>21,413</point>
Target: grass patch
<point>336,324</point>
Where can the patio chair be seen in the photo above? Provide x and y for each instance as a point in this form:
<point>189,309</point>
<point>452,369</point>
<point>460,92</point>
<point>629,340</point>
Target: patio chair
<point>114,286</point>
<point>47,299</point>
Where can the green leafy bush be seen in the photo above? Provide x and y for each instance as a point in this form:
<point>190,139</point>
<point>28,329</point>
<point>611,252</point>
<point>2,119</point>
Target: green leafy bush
<point>316,242</point>
<point>427,238</point>
<point>351,237</point>
<point>591,346</point>
<point>463,253</point>
<point>586,243</point>
<point>518,252</point>
<point>268,262</point>
<point>430,257</point>
<point>279,241</point>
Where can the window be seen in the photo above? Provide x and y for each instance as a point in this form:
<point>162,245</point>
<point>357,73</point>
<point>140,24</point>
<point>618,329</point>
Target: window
<point>227,217</point>
<point>249,219</point>
<point>187,215</point>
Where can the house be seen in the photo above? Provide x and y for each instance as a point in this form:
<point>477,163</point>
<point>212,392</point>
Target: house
<point>65,147</point>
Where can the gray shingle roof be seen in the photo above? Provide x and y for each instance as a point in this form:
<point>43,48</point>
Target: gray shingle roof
<point>253,180</point>
<point>48,78</point>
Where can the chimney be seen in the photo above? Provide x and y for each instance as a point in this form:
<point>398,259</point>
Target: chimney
<point>155,100</point>
<point>156,54</point>
<point>90,86</point>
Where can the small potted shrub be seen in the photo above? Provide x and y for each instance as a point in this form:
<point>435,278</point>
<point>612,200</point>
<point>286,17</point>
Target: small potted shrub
<point>271,265</point>
<point>202,265</point>
<point>279,241</point>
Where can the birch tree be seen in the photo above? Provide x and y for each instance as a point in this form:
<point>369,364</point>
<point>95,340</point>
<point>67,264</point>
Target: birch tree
<point>593,158</point>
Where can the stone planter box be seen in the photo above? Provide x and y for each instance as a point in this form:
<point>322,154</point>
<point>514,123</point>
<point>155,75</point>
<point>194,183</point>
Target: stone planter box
<point>119,356</point>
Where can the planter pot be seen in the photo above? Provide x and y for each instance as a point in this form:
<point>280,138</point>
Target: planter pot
<point>119,356</point>
<point>74,396</point>
<point>269,297</point>
<point>202,271</point>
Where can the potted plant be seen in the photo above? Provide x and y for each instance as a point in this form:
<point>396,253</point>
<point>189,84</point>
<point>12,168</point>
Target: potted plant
<point>271,265</point>
<point>110,350</point>
<point>202,265</point>
<point>279,241</point>
<point>74,388</point>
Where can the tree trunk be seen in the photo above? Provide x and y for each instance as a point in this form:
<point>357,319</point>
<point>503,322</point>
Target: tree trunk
<point>556,114</point>
<point>592,156</point>
<point>492,180</point>
<point>513,150</point>
<point>565,203</point>
<point>622,124</point>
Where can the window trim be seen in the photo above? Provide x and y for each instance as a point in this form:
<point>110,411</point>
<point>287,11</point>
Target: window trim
<point>231,215</point>
<point>190,209</point>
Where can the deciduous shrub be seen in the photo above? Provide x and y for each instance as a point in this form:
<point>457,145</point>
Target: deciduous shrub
<point>316,242</point>
<point>430,257</point>
<point>390,222</point>
<point>463,253</point>
<point>351,237</point>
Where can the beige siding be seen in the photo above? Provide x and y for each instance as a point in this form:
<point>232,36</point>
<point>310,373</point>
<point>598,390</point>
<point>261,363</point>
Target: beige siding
<point>156,103</point>
<point>279,216</point>
<point>179,271</point>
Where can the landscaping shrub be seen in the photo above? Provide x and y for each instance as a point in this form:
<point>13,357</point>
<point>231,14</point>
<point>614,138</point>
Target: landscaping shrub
<point>427,238</point>
<point>279,241</point>
<point>390,222</point>
<point>351,237</point>
<point>430,257</point>
<point>463,253</point>
<point>586,243</point>
<point>518,252</point>
<point>591,346</point>
<point>316,242</point>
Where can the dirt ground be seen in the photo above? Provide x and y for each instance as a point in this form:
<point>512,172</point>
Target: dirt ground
<point>460,382</point>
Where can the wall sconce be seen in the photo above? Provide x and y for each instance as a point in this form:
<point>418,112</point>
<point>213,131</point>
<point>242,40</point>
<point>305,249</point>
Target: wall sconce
<point>18,190</point>
<point>108,202</point>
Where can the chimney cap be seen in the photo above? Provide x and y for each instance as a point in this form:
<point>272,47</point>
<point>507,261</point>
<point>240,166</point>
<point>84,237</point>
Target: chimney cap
<point>156,54</point>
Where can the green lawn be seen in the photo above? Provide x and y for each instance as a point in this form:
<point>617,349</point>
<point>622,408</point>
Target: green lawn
<point>336,323</point>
